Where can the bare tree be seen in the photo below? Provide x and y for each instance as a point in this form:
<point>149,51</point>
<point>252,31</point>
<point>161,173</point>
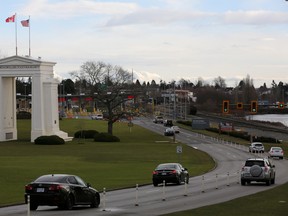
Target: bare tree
<point>109,85</point>
<point>219,82</point>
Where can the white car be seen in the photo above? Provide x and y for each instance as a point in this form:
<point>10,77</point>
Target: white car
<point>259,170</point>
<point>176,129</point>
<point>256,147</point>
<point>276,152</point>
<point>97,117</point>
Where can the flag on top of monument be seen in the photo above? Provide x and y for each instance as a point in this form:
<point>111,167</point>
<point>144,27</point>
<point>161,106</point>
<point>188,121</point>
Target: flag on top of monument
<point>11,19</point>
<point>25,23</point>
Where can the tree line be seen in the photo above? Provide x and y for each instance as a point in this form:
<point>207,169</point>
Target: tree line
<point>110,85</point>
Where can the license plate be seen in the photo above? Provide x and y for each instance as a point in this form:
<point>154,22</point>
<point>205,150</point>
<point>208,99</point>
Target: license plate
<point>40,190</point>
<point>163,173</point>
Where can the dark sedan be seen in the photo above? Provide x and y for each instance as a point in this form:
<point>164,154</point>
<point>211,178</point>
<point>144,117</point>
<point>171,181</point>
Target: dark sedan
<point>64,191</point>
<point>171,173</point>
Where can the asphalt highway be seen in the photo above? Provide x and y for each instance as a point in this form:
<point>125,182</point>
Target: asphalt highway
<point>219,185</point>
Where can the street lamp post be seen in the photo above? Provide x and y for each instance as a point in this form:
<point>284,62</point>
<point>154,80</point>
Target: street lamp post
<point>174,109</point>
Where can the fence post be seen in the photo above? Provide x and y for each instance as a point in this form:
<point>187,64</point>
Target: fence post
<point>104,199</point>
<point>136,204</point>
<point>163,188</point>
<point>185,192</point>
<point>228,184</point>
<point>203,186</point>
<point>28,205</point>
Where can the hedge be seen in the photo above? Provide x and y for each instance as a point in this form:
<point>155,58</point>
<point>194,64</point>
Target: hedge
<point>85,134</point>
<point>49,140</point>
<point>105,137</point>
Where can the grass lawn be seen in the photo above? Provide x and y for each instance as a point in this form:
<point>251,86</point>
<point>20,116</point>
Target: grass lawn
<point>110,165</point>
<point>272,202</point>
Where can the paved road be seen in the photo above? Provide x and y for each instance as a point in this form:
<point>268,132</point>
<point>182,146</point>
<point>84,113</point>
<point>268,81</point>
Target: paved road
<point>201,191</point>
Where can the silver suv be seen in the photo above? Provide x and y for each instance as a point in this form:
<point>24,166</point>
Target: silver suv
<point>259,170</point>
<point>256,147</point>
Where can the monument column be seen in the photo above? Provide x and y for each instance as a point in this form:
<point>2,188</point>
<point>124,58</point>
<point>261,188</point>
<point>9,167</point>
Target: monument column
<point>8,127</point>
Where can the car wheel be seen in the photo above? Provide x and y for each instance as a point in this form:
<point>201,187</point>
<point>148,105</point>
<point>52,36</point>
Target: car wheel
<point>273,181</point>
<point>178,181</point>
<point>95,201</point>
<point>268,182</point>
<point>187,179</point>
<point>69,203</point>
<point>155,183</point>
<point>243,182</point>
<point>33,206</point>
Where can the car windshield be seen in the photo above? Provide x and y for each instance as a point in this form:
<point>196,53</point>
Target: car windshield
<point>52,178</point>
<point>251,163</point>
<point>276,148</point>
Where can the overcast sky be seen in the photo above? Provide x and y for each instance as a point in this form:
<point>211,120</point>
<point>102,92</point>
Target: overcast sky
<point>157,39</point>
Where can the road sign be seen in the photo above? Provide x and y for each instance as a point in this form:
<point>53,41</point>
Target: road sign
<point>179,149</point>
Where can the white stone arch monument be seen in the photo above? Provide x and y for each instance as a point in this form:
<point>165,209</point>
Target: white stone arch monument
<point>45,117</point>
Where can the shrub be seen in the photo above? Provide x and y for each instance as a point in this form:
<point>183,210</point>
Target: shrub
<point>188,123</point>
<point>105,137</point>
<point>49,140</point>
<point>85,134</point>
<point>245,135</point>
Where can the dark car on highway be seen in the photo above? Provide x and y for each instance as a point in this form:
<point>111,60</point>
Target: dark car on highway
<point>64,191</point>
<point>170,173</point>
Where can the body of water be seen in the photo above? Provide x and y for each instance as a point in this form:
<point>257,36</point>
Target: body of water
<point>270,118</point>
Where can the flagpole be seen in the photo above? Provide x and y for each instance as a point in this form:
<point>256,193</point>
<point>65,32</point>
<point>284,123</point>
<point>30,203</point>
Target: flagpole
<point>29,38</point>
<point>16,33</point>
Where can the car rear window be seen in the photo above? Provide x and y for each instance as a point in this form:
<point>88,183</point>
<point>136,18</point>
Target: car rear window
<point>51,178</point>
<point>167,166</point>
<point>258,145</point>
<point>252,163</point>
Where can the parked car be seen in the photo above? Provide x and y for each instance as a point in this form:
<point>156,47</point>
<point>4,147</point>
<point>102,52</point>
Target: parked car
<point>176,129</point>
<point>158,119</point>
<point>276,152</point>
<point>259,170</point>
<point>97,117</point>
<point>168,123</point>
<point>257,147</point>
<point>60,190</point>
<point>171,173</point>
<point>169,132</point>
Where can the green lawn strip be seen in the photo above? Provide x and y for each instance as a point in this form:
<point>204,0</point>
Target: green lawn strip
<point>110,165</point>
<point>272,202</point>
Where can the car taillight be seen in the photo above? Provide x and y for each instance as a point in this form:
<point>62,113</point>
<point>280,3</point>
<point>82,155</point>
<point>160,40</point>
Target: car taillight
<point>266,169</point>
<point>173,171</point>
<point>54,187</point>
<point>28,187</point>
<point>155,172</point>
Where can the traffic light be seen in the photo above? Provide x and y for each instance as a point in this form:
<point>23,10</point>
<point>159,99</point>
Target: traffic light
<point>225,106</point>
<point>254,106</point>
<point>239,105</point>
<point>281,105</point>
